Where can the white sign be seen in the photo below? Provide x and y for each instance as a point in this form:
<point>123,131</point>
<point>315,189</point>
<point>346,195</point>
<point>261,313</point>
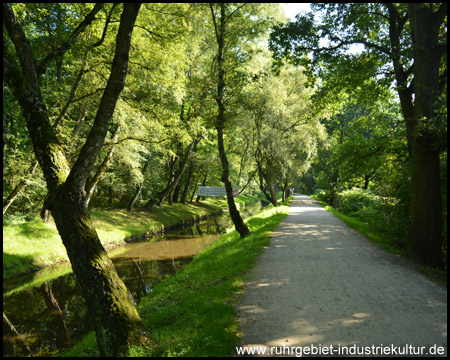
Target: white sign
<point>215,191</point>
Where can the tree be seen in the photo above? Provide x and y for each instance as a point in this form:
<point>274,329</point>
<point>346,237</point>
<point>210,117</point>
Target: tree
<point>280,126</point>
<point>116,321</point>
<point>219,27</point>
<point>405,43</point>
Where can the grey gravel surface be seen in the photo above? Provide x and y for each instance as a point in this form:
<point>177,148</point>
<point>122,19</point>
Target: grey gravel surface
<point>321,285</point>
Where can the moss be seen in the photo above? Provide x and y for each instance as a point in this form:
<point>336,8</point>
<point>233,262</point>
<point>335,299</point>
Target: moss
<point>59,168</point>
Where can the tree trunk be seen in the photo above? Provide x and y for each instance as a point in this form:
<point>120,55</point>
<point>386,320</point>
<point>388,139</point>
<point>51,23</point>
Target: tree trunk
<point>187,185</point>
<point>429,136</point>
<point>273,193</point>
<point>425,237</point>
<point>261,175</point>
<point>114,316</point>
<point>115,319</point>
<point>159,198</point>
<point>241,228</point>
<point>203,184</point>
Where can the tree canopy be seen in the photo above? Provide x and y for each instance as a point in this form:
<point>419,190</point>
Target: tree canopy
<point>124,105</point>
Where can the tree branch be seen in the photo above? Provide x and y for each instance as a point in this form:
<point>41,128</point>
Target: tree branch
<point>235,10</point>
<point>114,87</point>
<point>41,68</point>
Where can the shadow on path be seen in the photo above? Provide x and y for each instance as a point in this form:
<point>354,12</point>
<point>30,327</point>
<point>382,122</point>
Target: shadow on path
<point>320,282</point>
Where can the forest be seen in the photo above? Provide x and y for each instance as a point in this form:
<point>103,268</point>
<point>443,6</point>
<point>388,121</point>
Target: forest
<point>132,106</point>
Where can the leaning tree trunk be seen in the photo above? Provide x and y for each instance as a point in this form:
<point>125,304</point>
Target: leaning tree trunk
<point>239,224</point>
<point>159,198</point>
<point>111,308</point>
<point>110,305</point>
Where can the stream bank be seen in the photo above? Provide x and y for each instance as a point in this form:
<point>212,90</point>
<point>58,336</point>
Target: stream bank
<point>47,309</point>
<point>32,245</point>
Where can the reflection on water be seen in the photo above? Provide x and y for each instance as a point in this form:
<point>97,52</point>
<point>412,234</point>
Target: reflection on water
<point>41,319</point>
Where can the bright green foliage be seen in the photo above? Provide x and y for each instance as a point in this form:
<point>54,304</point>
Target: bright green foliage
<point>284,136</point>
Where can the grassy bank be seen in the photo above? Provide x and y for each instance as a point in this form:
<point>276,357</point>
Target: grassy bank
<point>191,313</point>
<point>30,245</point>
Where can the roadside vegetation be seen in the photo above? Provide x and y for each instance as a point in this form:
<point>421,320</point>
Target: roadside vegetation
<point>110,106</point>
<point>191,313</point>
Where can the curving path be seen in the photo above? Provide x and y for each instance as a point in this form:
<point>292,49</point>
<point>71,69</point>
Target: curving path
<point>320,282</point>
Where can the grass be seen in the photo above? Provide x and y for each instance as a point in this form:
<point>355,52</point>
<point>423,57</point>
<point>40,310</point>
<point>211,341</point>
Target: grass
<point>191,313</point>
<point>30,245</point>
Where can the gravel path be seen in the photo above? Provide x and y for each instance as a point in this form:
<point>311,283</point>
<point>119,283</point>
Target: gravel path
<point>321,283</point>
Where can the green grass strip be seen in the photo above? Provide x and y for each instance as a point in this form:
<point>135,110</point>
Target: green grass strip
<point>191,313</point>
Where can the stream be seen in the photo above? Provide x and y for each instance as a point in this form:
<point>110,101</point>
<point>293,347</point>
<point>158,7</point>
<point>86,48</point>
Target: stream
<point>50,314</point>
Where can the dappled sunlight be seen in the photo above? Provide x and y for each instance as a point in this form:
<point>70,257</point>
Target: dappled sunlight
<point>320,282</point>
<point>296,210</point>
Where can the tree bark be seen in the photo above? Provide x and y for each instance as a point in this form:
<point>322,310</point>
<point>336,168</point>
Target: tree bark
<point>239,224</point>
<point>115,318</point>
<point>428,135</point>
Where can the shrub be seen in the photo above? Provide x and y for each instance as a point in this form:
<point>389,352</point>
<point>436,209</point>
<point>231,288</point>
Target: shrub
<point>351,201</point>
<point>322,195</point>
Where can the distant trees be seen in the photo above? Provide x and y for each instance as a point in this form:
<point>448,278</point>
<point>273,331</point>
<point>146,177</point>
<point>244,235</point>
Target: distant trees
<point>115,120</point>
<point>192,98</point>
<point>280,127</point>
<point>403,43</point>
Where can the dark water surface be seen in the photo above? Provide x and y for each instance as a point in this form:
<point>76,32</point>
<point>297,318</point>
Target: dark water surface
<point>52,315</point>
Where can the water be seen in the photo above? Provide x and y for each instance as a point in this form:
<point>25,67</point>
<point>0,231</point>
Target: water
<point>51,315</point>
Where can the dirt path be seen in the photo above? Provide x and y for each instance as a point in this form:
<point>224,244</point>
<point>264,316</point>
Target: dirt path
<point>320,282</point>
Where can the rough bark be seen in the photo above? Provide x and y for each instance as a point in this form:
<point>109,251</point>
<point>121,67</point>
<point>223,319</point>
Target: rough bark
<point>427,141</point>
<point>115,319</point>
<point>239,224</point>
